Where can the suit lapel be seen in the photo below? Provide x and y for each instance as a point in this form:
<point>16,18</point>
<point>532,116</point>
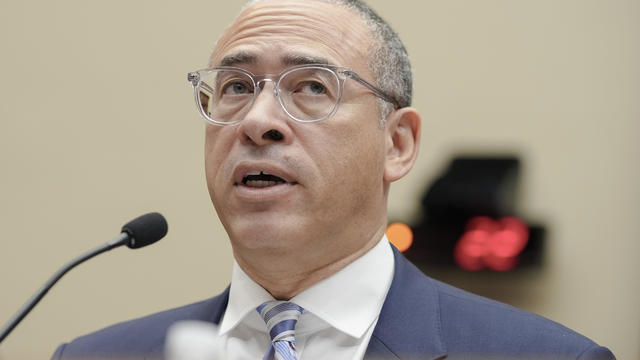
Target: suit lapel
<point>409,322</point>
<point>218,305</point>
<point>210,310</point>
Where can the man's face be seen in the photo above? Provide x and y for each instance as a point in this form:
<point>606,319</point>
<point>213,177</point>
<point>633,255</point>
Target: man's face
<point>333,198</point>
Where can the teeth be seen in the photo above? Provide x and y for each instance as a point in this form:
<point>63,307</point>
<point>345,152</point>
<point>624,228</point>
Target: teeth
<point>261,179</point>
<point>260,183</point>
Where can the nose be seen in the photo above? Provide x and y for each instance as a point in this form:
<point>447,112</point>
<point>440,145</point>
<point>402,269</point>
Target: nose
<point>265,123</point>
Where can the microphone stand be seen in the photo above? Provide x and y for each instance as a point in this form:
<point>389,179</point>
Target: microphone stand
<point>33,301</point>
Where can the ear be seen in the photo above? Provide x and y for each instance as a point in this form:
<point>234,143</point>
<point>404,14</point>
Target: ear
<point>402,142</point>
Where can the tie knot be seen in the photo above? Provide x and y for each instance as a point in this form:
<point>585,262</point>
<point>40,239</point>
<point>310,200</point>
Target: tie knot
<point>281,318</point>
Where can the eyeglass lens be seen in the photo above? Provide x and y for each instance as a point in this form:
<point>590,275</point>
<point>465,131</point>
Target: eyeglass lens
<point>306,94</point>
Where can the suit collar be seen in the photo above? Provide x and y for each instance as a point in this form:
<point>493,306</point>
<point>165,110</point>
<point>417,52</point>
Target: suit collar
<point>210,310</point>
<point>409,323</point>
<point>218,306</point>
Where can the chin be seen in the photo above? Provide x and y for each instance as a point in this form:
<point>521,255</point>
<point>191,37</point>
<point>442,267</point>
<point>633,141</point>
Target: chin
<point>275,234</point>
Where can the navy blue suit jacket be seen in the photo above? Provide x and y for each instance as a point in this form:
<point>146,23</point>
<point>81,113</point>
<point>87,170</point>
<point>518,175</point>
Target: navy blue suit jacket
<point>421,319</point>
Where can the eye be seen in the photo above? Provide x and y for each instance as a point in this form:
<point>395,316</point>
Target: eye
<point>312,88</point>
<point>236,87</point>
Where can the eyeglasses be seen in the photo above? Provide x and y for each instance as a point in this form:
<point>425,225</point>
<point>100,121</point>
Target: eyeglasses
<point>306,93</point>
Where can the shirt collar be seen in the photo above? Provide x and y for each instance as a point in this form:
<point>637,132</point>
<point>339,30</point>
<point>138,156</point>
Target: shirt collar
<point>245,295</point>
<point>349,300</point>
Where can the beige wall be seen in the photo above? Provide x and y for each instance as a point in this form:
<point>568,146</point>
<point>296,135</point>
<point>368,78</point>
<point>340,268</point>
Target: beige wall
<point>97,125</point>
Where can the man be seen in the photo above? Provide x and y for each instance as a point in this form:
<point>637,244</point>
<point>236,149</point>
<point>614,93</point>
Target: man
<point>309,122</point>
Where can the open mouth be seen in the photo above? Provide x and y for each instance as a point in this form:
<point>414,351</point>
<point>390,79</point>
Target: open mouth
<point>261,180</point>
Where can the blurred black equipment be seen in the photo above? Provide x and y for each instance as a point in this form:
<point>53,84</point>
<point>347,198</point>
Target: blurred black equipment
<point>469,218</point>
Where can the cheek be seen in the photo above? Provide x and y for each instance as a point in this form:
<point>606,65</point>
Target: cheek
<point>215,150</point>
<point>367,163</point>
<point>355,157</point>
<point>210,158</point>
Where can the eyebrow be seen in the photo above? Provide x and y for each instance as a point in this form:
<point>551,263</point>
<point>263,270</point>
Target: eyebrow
<point>240,58</point>
<point>245,58</point>
<point>292,60</point>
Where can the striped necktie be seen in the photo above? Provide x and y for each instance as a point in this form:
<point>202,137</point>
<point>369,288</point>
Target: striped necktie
<point>281,318</point>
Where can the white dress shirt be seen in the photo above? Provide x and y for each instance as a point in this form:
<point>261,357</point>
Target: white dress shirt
<point>340,314</point>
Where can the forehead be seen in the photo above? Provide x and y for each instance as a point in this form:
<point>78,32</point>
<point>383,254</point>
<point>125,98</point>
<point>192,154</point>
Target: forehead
<point>286,32</point>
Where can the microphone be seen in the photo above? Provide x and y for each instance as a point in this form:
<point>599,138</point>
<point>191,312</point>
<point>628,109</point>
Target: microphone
<point>139,232</point>
<point>145,230</point>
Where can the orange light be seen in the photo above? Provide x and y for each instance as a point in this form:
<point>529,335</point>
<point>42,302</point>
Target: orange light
<point>400,235</point>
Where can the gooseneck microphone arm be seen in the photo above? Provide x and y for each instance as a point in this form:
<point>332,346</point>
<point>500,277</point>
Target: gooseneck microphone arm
<point>142,231</point>
<point>33,301</point>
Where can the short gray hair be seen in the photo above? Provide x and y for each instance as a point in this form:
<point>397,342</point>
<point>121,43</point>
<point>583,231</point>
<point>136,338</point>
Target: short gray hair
<point>388,58</point>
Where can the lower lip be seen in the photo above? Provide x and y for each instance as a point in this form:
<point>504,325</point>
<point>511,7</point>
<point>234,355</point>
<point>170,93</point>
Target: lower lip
<point>261,194</point>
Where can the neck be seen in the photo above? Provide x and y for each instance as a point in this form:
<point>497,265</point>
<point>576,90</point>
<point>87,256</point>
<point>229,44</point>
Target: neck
<point>286,273</point>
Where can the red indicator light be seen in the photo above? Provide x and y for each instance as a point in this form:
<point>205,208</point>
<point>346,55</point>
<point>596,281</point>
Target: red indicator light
<point>492,244</point>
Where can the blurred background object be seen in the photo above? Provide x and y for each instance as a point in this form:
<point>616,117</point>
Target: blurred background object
<point>193,340</point>
<point>469,218</point>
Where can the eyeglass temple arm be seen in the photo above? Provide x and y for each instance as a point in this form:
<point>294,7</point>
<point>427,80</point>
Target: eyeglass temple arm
<point>194,79</point>
<point>206,87</point>
<point>375,90</point>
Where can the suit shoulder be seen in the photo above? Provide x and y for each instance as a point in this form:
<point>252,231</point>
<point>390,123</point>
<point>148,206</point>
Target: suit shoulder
<point>500,327</point>
<point>143,335</point>
<point>455,322</point>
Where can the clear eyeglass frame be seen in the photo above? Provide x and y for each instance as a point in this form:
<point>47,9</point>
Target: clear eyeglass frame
<point>341,74</point>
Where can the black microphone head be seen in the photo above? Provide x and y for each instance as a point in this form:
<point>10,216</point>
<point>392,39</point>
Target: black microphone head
<point>145,230</point>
